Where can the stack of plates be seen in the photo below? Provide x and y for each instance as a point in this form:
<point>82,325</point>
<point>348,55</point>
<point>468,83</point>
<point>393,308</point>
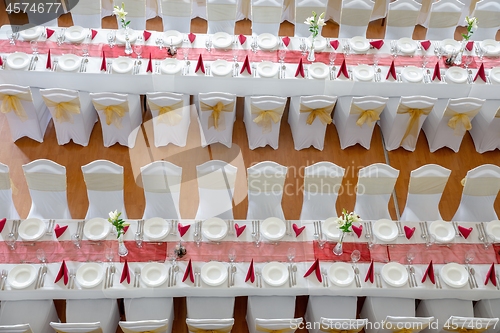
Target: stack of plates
<point>364,73</point>
<point>96,229</point>
<point>69,62</point>
<point>120,36</point>
<point>412,74</point>
<point>18,60</point>
<point>156,228</point>
<point>154,274</point>
<point>31,33</point>
<point>456,75</point>
<point>214,273</point>
<point>221,68</point>
<point>359,44</point>
<point>318,70</point>
<point>407,45</point>
<point>450,45</point>
<point>341,274</point>
<point>75,34</point>
<point>32,229</point>
<point>214,229</point>
<point>442,231</point>
<point>267,41</point>
<point>89,275</point>
<point>273,228</point>
<point>454,275</point>
<point>222,40</point>
<point>394,274</point>
<point>385,230</point>
<point>491,47</point>
<point>267,69</point>
<point>171,66</point>
<point>21,276</point>
<point>493,229</point>
<point>173,37</point>
<point>495,74</point>
<point>275,274</point>
<point>331,228</point>
<point>122,65</point>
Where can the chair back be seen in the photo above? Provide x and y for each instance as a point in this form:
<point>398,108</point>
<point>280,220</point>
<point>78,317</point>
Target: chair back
<point>310,103</point>
<point>221,16</point>
<point>402,18</point>
<point>77,327</point>
<point>487,13</point>
<point>209,325</point>
<point>417,324</point>
<point>482,181</point>
<point>64,106</point>
<point>443,19</point>
<point>266,16</point>
<point>150,326</point>
<point>7,208</point>
<point>354,17</point>
<point>378,178</point>
<point>87,14</point>
<point>21,328</point>
<point>428,179</point>
<point>176,15</point>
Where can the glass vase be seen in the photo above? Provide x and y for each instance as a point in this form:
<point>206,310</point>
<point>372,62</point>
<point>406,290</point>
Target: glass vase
<point>458,57</point>
<point>311,57</point>
<point>122,249</point>
<point>128,46</point>
<point>338,250</point>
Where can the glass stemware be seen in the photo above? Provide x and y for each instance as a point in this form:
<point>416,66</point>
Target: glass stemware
<point>332,57</point>
<point>75,238</point>
<point>11,242</point>
<point>410,255</point>
<point>282,54</point>
<point>321,240</point>
<point>355,256</point>
<point>85,49</point>
<point>138,240</point>
<point>11,36</point>
<point>232,254</point>
<point>34,47</point>
<point>468,61</point>
<point>110,253</point>
<point>291,254</point>
<point>40,254</point>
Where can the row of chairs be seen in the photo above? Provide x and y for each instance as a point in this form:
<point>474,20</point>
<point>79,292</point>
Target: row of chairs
<point>217,180</point>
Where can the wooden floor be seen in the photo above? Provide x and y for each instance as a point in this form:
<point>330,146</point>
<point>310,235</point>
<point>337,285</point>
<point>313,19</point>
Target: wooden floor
<point>74,156</point>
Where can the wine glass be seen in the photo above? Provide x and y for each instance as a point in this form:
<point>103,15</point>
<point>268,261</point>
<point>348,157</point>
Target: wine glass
<point>34,47</point>
<point>138,50</point>
<point>291,254</point>
<point>410,255</point>
<point>321,240</point>
<point>468,61</point>
<point>10,35</point>
<point>425,61</point>
<point>110,253</point>
<point>11,242</point>
<point>332,57</point>
<point>75,238</point>
<point>85,49</point>
<point>282,54</point>
<point>110,38</point>
<point>232,254</point>
<point>469,257</point>
<point>355,256</point>
<point>431,239</point>
<point>138,240</point>
<point>40,254</point>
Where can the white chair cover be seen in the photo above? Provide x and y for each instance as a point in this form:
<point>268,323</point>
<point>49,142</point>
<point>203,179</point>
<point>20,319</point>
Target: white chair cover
<point>102,311</point>
<point>216,180</point>
<point>303,110</point>
<point>136,10</point>
<point>171,117</point>
<point>260,115</point>
<point>351,111</point>
<point>443,19</point>
<point>7,208</point>
<point>323,310</point>
<point>221,16</point>
<point>478,196</point>
<point>153,326</point>
<point>94,327</point>
<point>30,116</point>
<point>380,9</point>
<point>265,190</point>
<point>402,18</point>
<point>426,187</point>
<point>157,309</point>
<point>115,128</point>
<point>104,181</point>
<point>271,312</point>
<point>176,15</point>
<point>216,309</point>
<point>402,120</point>
<point>63,105</point>
<point>442,310</point>
<point>487,13</point>
<point>376,310</point>
<point>213,131</point>
<point>354,17</point>
<point>375,185</point>
<point>36,314</point>
<point>303,10</point>
<point>87,14</point>
<point>21,328</point>
<point>162,184</point>
<point>486,126</point>
<point>266,16</point>
<point>488,308</point>
<point>47,185</point>
<point>209,325</point>
<point>322,182</point>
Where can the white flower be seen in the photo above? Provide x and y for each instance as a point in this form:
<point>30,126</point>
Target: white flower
<point>321,22</point>
<point>340,222</point>
<point>120,12</point>
<point>471,21</point>
<point>355,217</point>
<point>113,215</point>
<point>309,20</point>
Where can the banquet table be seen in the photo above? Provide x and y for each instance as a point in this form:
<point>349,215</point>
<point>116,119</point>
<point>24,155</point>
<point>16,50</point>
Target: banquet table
<point>307,251</point>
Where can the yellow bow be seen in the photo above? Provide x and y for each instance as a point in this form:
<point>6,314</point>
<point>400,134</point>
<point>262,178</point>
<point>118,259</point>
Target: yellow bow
<point>166,114</point>
<point>322,113</point>
<point>113,113</point>
<point>270,330</point>
<point>265,117</point>
<point>412,128</point>
<point>405,330</point>
<point>327,329</point>
<point>97,330</point>
<point>215,120</point>
<point>156,330</point>
<point>465,330</point>
<point>63,110</point>
<point>366,115</point>
<point>200,330</point>
<point>463,181</point>
<point>13,103</point>
<point>460,122</point>
<point>497,115</point>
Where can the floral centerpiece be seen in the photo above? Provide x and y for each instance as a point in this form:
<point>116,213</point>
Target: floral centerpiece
<point>344,222</point>
<point>315,22</point>
<point>119,225</point>
<point>471,26</point>
<point>120,13</point>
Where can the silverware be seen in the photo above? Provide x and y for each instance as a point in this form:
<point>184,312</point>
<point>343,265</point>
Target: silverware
<point>410,280</point>
<point>112,272</point>
<point>469,76</point>
<point>422,231</point>
<point>138,274</point>
<point>284,71</point>
<point>108,64</point>
<point>290,276</point>
<point>498,281</point>
<point>320,230</point>
<point>400,228</point>
<point>473,275</point>
<point>471,282</point>
<point>229,275</point>
<point>438,281</point>
<point>175,270</point>
<point>134,68</point>
<point>455,226</point>
<point>356,276</point>
<point>38,277</point>
<point>233,274</point>
<point>378,75</point>
<point>55,65</point>
<point>207,70</point>
<point>72,279</point>
<point>44,273</point>
<point>414,279</point>
<point>3,278</point>
<point>443,75</point>
<point>316,234</point>
<point>260,278</point>
<point>31,62</point>
<point>106,278</point>
<point>197,277</point>
<point>254,69</point>
<point>378,280</point>
<point>50,228</point>
<point>367,230</point>
<point>253,230</point>
<point>325,278</point>
<point>294,275</point>
<point>173,227</point>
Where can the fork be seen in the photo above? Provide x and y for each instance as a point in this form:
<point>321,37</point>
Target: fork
<point>137,277</point>
<point>3,278</point>
<point>325,277</point>
<point>50,228</point>
<point>197,277</point>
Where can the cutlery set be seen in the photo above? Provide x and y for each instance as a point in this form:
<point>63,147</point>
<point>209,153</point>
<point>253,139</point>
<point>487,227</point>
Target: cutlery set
<point>332,72</point>
<point>173,227</point>
<point>197,236</point>
<point>109,276</point>
<point>256,232</point>
<point>369,233</point>
<point>61,36</point>
<point>258,278</point>
<point>318,230</point>
<point>472,276</point>
<point>137,67</point>
<point>289,228</point>
<point>231,274</point>
<point>14,231</point>
<point>137,277</point>
<point>303,46</point>
<point>172,275</point>
<point>83,65</point>
<point>425,232</point>
<point>159,42</point>
<point>400,229</point>
<point>378,281</point>
<point>139,234</point>
<point>230,227</point>
<point>482,235</point>
<point>254,45</point>
<point>55,65</point>
<point>207,71</point>
<point>40,279</point>
<point>3,278</point>
<point>197,277</point>
<point>357,279</point>
<point>71,282</point>
<point>324,274</point>
<point>208,44</point>
<point>79,231</point>
<point>33,62</point>
<point>108,67</point>
<point>292,275</point>
<point>438,281</point>
<point>412,280</point>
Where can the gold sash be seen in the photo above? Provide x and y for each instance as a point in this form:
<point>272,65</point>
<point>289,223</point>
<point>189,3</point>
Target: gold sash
<point>324,114</point>
<point>113,113</point>
<point>167,114</point>
<point>497,115</point>
<point>266,14</point>
<point>63,110</point>
<point>444,19</point>
<point>270,330</point>
<point>13,103</point>
<point>176,8</point>
<point>302,13</point>
<point>103,181</point>
<point>487,19</point>
<point>405,330</point>
<point>460,122</point>
<point>265,183</point>
<point>484,186</point>
<point>265,117</point>
<point>221,12</point>
<point>42,181</point>
<point>161,183</point>
<point>354,16</point>
<point>402,18</point>
<point>366,115</point>
<point>215,120</point>
<point>201,330</point>
<point>215,180</point>
<point>160,329</point>
<point>327,329</point>
<point>322,184</point>
<point>412,128</point>
<point>375,185</point>
<point>427,185</point>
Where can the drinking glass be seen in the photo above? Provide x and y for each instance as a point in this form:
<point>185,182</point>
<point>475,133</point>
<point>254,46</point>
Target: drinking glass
<point>291,254</point>
<point>75,238</point>
<point>172,256</point>
<point>110,253</point>
<point>410,255</point>
<point>138,240</point>
<point>332,57</point>
<point>232,254</point>
<point>85,49</point>
<point>11,242</point>
<point>34,46</point>
<point>185,50</point>
<point>10,35</point>
<point>111,38</point>
<point>469,257</point>
<point>282,54</point>
<point>431,239</point>
<point>321,240</point>
<point>40,254</point>
<point>138,50</point>
<point>425,61</point>
<point>468,61</point>
<point>355,256</point>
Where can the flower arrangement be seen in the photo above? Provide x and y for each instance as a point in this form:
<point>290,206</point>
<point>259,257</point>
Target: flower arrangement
<point>122,15</point>
<point>471,25</point>
<point>117,222</point>
<point>315,23</point>
<point>346,220</point>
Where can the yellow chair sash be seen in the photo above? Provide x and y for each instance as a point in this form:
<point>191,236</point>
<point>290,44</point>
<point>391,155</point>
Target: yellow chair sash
<point>412,128</point>
<point>201,330</point>
<point>465,330</point>
<point>97,330</point>
<point>265,117</point>
<point>370,115</point>
<point>497,115</point>
<point>113,113</point>
<point>270,330</point>
<point>405,330</point>
<point>328,329</point>
<point>355,16</point>
<point>160,329</point>
<point>64,110</point>
<point>324,114</point>
<point>460,122</point>
<point>402,18</point>
<point>13,103</point>
<point>444,19</point>
<point>215,120</point>
<point>167,114</point>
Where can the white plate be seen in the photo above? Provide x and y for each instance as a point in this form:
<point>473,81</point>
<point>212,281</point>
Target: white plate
<point>394,274</point>
<point>89,275</point>
<point>359,44</point>
<point>267,69</point>
<point>172,36</point>
<point>156,228</point>
<point>412,74</point>
<point>273,228</point>
<point>75,34</point>
<point>171,66</point>
<point>154,274</point>
<point>318,70</point>
<point>31,33</point>
<point>214,273</point>
<point>267,41</point>
<point>214,229</point>
<point>120,36</point>
<point>385,230</point>
<point>495,74</point>
<point>331,228</point>
<point>493,229</point>
<point>341,274</point>
<point>491,47</point>
<point>450,45</point>
<point>18,60</point>
<point>407,45</point>
<point>221,68</point>
<point>456,75</point>
<point>454,275</point>
<point>122,65</point>
<point>21,276</point>
<point>443,231</point>
<point>363,73</point>
<point>96,229</point>
<point>222,40</point>
<point>32,229</point>
<point>319,43</point>
<point>275,274</point>
<point>69,62</point>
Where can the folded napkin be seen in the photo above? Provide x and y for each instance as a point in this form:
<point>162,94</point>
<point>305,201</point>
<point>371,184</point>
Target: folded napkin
<point>191,37</point>
<point>425,44</point>
<point>298,230</point>
<point>200,65</point>
<point>357,230</point>
<point>377,44</point>
<point>4,220</point>
<point>146,35</point>
<point>409,231</point>
<point>63,272</point>
<point>104,64</point>
<point>94,33</point>
<point>250,273</point>
<point>371,273</point>
<point>429,272</point>
<point>300,69</point>
<point>59,230</point>
<point>437,72</point>
<point>50,32</point>
<point>480,73</point>
<point>464,231</point>
<point>49,61</point>
<point>343,70</point>
<point>242,39</point>
<point>315,267</point>
<point>246,66</point>
<point>125,273</point>
<point>334,44</point>
<point>491,276</point>
<point>188,272</point>
<point>239,230</point>
<point>1,61</point>
<point>392,71</point>
<point>183,229</point>
<point>469,45</point>
<point>150,65</point>
<point>125,228</point>
<point>286,40</point>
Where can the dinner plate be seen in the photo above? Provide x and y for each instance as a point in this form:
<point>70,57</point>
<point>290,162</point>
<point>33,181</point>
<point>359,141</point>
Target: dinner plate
<point>319,43</point>
<point>412,74</point>
<point>75,34</point>
<point>385,230</point>
<point>491,47</point>
<point>32,229</point>
<point>363,73</point>
<point>21,276</point>
<point>31,33</point>
<point>154,274</point>
<point>394,274</point>
<point>495,74</point>
<point>456,75</point>
<point>120,36</point>
<point>331,228</point>
<point>156,228</point>
<point>222,40</point>
<point>341,274</point>
<point>442,231</point>
<point>221,67</point>
<point>267,69</point>
<point>273,228</point>
<point>173,37</point>
<point>214,273</point>
<point>407,45</point>
<point>69,62</point>
<point>493,229</point>
<point>18,60</point>
<point>319,70</point>
<point>214,229</point>
<point>171,66</point>
<point>359,44</point>
<point>89,275</point>
<point>122,65</point>
<point>96,229</point>
<point>450,45</point>
<point>454,275</point>
<point>275,274</point>
<point>267,41</point>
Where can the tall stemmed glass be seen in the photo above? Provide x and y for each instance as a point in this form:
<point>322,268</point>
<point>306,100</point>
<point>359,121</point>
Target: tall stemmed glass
<point>332,56</point>
<point>138,49</point>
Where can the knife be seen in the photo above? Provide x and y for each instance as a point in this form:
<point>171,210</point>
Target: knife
<point>169,283</point>
<point>106,278</point>
<point>289,277</point>
<point>38,277</point>
<point>229,276</point>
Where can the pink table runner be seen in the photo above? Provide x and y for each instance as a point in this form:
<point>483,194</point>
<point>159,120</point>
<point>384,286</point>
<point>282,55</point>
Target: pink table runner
<point>442,254</point>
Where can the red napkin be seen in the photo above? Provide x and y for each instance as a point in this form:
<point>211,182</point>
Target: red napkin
<point>357,230</point>
<point>437,72</point>
<point>481,73</point>
<point>182,230</point>
<point>465,231</point>
<point>315,267</point>
<point>286,40</point>
<point>188,272</point>
<point>425,44</point>
<point>59,230</point>
<point>125,273</point>
<point>125,228</point>
<point>146,35</point>
<point>469,45</point>
<point>150,65</point>
<point>246,65</point>
<point>370,274</point>
<point>392,71</point>
<point>2,221</point>
<point>199,65</point>
<point>377,44</point>
<point>104,65</point>
<point>63,271</point>
<point>343,70</point>
<point>300,69</point>
<point>250,273</point>
<point>430,273</point>
<point>334,44</point>
<point>242,39</point>
<point>491,276</point>
<point>50,32</point>
<point>298,230</point>
<point>1,61</point>
<point>239,230</point>
<point>409,231</point>
<point>191,37</point>
<point>94,33</point>
<point>49,61</point>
